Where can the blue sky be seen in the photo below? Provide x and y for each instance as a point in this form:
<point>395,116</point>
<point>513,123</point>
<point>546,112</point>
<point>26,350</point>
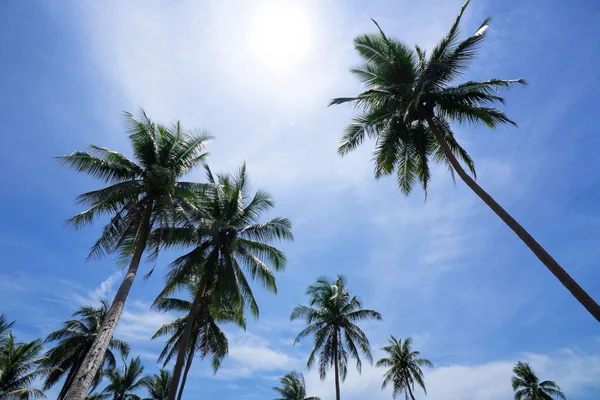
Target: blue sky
<point>258,75</point>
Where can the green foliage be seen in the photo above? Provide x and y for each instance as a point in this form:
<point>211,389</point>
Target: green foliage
<point>228,242</point>
<point>74,340</point>
<point>406,91</point>
<point>527,385</point>
<point>207,338</point>
<point>293,387</point>
<point>158,385</point>
<point>331,316</point>
<point>149,183</point>
<point>123,385</point>
<point>19,367</point>
<point>404,367</point>
<point>4,328</point>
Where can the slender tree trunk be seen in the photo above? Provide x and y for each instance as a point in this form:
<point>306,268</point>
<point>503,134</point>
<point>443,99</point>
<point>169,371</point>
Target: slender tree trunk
<point>335,366</point>
<point>183,344</point>
<point>95,355</point>
<point>68,381</point>
<point>188,365</point>
<point>554,267</point>
<point>412,396</point>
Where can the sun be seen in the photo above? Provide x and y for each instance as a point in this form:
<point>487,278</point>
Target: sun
<point>280,34</point>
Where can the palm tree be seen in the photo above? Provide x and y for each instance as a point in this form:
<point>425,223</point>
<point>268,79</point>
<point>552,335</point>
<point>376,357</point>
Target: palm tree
<point>331,317</point>
<point>293,387</point>
<point>404,367</point>
<point>206,337</point>
<point>227,238</point>
<point>527,385</point>
<point>141,195</point>
<point>19,368</point>
<point>158,385</point>
<point>75,339</point>
<point>407,107</point>
<point>122,385</point>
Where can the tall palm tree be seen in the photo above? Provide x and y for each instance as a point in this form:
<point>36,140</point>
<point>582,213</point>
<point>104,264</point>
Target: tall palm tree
<point>293,387</point>
<point>142,194</point>
<point>158,385</point>
<point>19,368</point>
<point>527,385</point>
<point>227,239</point>
<point>123,385</point>
<point>331,316</point>
<point>409,102</point>
<point>206,339</point>
<point>404,367</point>
<point>75,339</point>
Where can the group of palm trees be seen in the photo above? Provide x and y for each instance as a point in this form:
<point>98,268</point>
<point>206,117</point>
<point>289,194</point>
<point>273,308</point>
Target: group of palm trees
<point>409,101</point>
<point>332,316</point>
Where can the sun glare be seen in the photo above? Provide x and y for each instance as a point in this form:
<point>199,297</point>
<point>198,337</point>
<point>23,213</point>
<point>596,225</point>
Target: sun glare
<point>280,34</point>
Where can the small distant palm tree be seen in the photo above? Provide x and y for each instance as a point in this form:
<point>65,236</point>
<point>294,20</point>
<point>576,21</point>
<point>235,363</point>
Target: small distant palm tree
<point>293,387</point>
<point>19,369</point>
<point>158,385</point>
<point>123,385</point>
<point>228,242</point>
<point>404,367</point>
<point>75,339</point>
<point>527,385</point>
<point>331,317</point>
<point>206,339</point>
<point>410,98</point>
<point>143,194</point>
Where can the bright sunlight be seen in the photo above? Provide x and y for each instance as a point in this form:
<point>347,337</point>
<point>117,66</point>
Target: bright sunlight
<point>280,34</point>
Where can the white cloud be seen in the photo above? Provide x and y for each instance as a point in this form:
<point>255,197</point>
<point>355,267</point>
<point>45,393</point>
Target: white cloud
<point>106,287</point>
<point>139,323</point>
<point>574,372</point>
<point>250,354</point>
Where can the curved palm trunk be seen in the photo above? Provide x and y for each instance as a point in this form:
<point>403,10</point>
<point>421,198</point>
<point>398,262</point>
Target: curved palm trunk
<point>95,355</point>
<point>412,396</point>
<point>550,263</point>
<point>188,365</point>
<point>183,344</point>
<point>335,366</point>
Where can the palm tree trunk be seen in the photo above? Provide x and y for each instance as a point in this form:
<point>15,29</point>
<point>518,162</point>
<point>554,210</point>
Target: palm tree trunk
<point>412,396</point>
<point>554,267</point>
<point>335,366</point>
<point>185,338</point>
<point>95,356</point>
<point>188,365</point>
<point>68,381</point>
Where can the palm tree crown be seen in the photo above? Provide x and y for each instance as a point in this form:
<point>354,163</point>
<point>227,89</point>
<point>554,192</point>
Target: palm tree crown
<point>228,242</point>
<point>162,155</point>
<point>527,385</point>
<point>409,101</point>
<point>293,387</point>
<point>404,367</point>
<point>19,368</point>
<point>123,385</point>
<point>405,89</point>
<point>75,339</point>
<point>331,317</point>
<point>207,337</point>
<point>158,385</point>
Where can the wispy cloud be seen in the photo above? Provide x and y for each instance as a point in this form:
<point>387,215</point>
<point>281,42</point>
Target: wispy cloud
<point>139,323</point>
